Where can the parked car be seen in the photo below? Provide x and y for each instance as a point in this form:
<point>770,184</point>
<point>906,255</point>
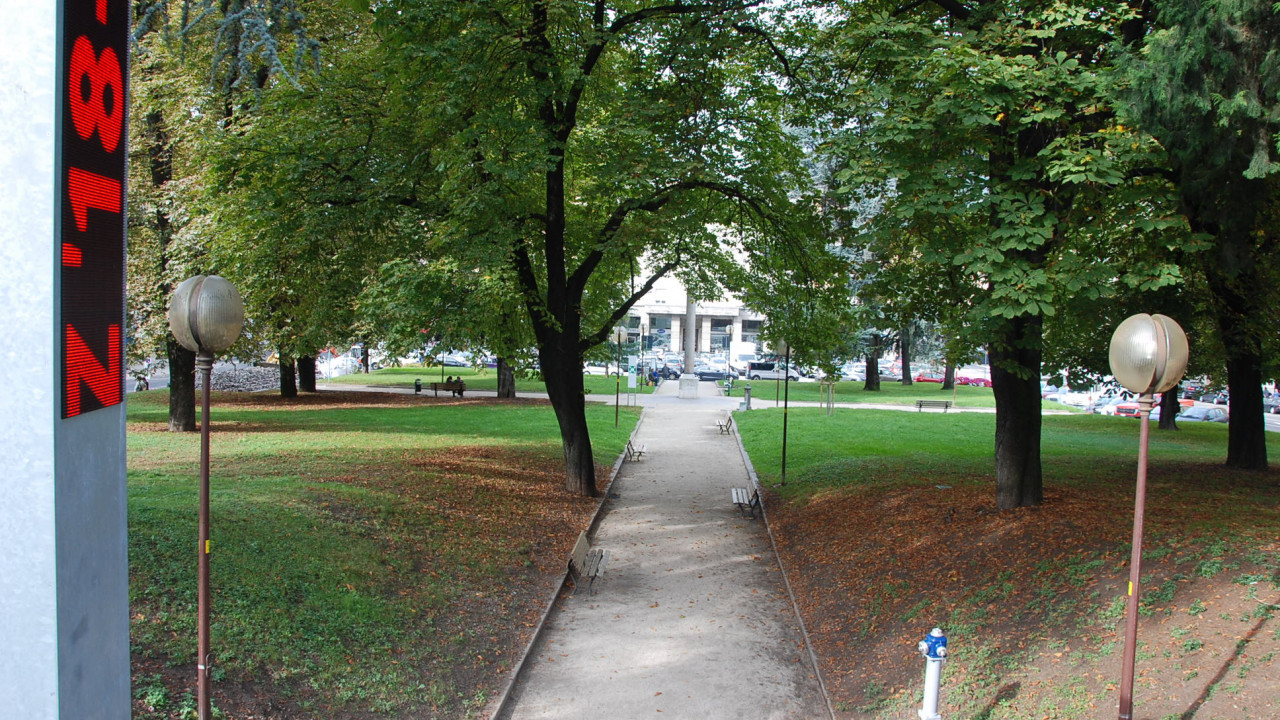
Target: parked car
<point>974,381</point>
<point>769,370</point>
<point>1216,397</point>
<point>709,373</point>
<point>928,377</point>
<point>1198,413</point>
<point>1126,409</point>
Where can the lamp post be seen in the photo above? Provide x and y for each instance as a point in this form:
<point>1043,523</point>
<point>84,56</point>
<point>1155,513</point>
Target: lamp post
<point>205,316</point>
<point>1148,356</point>
<point>786,396</point>
<point>619,335</point>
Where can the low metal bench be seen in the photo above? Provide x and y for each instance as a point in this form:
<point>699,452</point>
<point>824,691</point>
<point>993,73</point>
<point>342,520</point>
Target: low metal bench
<point>725,425</point>
<point>634,452</point>
<point>587,562</point>
<point>944,405</point>
<point>746,500</point>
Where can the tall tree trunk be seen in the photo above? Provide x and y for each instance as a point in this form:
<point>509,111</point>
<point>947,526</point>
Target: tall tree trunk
<point>1238,291</point>
<point>949,377</point>
<point>288,381</point>
<point>563,375</point>
<point>182,362</point>
<point>872,382</point>
<point>904,345</point>
<point>1247,432</point>
<point>307,374</point>
<point>1169,408</point>
<point>182,387</point>
<point>1015,377</point>
<point>506,379</point>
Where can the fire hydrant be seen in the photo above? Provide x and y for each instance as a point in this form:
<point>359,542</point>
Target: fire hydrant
<point>934,649</point>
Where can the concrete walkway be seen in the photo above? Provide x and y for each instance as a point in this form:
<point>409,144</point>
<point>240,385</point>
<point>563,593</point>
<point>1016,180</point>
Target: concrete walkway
<point>692,618</point>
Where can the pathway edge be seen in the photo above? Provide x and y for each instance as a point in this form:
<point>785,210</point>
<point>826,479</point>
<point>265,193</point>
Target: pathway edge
<point>804,631</point>
<point>499,706</point>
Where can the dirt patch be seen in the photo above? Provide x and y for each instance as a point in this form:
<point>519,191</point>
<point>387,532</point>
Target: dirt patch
<point>1029,599</point>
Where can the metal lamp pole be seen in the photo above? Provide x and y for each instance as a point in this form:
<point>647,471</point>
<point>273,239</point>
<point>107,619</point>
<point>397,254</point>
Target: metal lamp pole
<point>786,397</point>
<point>619,333</point>
<point>1148,355</point>
<point>205,316</point>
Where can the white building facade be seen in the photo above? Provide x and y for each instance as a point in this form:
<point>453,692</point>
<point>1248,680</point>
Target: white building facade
<point>658,320</point>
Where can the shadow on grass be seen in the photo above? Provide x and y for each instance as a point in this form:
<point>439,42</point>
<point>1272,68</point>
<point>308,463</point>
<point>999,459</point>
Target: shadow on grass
<point>1005,694</point>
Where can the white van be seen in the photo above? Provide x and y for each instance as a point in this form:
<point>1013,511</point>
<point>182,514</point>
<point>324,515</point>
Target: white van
<point>769,370</point>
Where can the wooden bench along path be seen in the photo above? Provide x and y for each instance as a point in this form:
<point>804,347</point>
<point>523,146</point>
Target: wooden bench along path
<point>725,425</point>
<point>934,404</point>
<point>587,562</point>
<point>635,452</point>
<point>457,387</point>
<point>746,501</point>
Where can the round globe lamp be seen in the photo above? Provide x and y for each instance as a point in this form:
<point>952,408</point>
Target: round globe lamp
<point>205,316</point>
<point>1148,355</point>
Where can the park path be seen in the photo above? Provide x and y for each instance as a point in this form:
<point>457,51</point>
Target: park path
<point>692,618</point>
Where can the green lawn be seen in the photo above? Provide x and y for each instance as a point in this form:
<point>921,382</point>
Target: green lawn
<point>856,445</point>
<point>890,393</point>
<point>416,537</point>
<point>486,379</point>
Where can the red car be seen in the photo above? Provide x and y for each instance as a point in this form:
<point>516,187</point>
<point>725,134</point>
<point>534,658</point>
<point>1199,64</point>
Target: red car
<point>928,377</point>
<point>973,381</point>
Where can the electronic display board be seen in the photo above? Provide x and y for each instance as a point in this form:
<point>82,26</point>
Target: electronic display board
<point>91,228</point>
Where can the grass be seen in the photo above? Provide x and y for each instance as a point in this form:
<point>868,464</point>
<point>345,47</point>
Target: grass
<point>890,393</point>
<point>417,537</point>
<point>887,521</point>
<point>486,379</point>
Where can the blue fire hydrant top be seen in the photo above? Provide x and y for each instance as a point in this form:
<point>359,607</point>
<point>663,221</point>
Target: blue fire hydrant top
<point>933,642</point>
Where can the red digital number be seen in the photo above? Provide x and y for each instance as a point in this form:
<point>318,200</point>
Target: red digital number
<point>88,190</point>
<point>103,71</point>
<point>83,367</point>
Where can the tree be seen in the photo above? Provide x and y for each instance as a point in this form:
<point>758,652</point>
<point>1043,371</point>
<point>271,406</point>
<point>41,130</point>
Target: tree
<point>1206,84</point>
<point>188,53</point>
<point>557,146</point>
<point>985,128</point>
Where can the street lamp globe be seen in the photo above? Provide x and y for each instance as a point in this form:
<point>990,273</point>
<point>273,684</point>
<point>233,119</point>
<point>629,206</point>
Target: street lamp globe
<point>206,314</point>
<point>1148,353</point>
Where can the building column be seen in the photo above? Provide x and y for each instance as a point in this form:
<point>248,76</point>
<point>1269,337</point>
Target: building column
<point>737,329</point>
<point>677,338</point>
<point>704,334</point>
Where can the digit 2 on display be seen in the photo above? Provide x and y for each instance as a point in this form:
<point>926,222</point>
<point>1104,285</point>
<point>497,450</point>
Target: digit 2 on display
<point>91,228</point>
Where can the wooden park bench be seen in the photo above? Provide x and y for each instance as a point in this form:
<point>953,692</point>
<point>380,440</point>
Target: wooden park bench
<point>746,501</point>
<point>944,405</point>
<point>457,387</point>
<point>587,562</point>
<point>725,425</point>
<point>635,452</point>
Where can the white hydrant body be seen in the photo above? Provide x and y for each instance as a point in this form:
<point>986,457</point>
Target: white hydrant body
<point>934,649</point>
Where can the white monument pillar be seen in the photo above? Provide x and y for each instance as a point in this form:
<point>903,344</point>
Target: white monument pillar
<point>64,612</point>
<point>689,381</point>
